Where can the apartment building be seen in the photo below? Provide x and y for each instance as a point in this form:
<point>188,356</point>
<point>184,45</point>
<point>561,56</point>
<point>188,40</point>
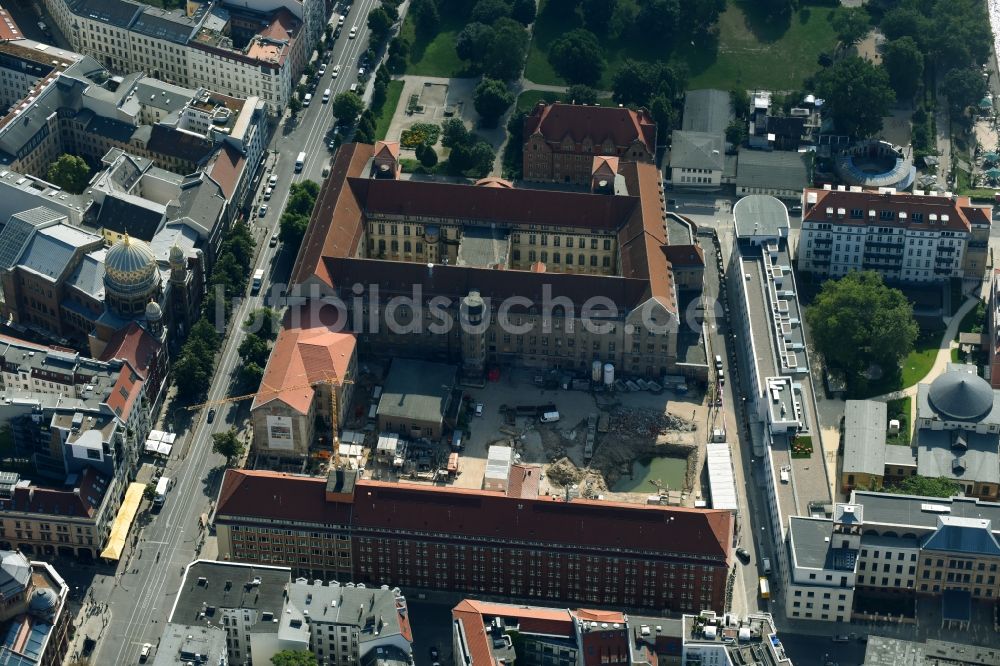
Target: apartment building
<point>487,634</point>
<point>919,237</point>
<point>254,48</point>
<point>492,254</point>
<point>772,353</point>
<point>261,611</point>
<point>561,140</point>
<point>476,541</point>
<point>823,561</point>
<point>34,619</point>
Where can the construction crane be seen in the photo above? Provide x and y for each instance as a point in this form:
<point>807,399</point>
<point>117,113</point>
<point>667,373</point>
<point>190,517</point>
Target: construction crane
<point>333,382</point>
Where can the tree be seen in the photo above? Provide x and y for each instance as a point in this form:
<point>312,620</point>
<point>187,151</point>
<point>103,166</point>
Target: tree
<point>633,83</point>
<point>379,93</point>
<point>491,99</point>
<point>475,157</point>
<point>293,658</point>
<point>577,57</point>
<point>740,101</point>
<point>292,229</point>
<point>523,11</point>
<point>597,15</point>
<point>507,50</point>
<point>204,331</point>
<point>149,492</point>
<point>253,349</point>
<point>379,22</point>
<point>426,16</point>
<point>263,322</point>
<point>488,11</point>
<point>251,374</point>
<point>398,52</point>
<point>736,132</point>
<point>699,17</point>
<point>294,105</point>
<point>664,114</point>
<point>454,133</point>
<point>228,444</point>
<point>659,18</point>
<point>190,376</point>
<point>964,88</point>
<point>857,94</point>
<point>904,22</point>
<point>858,321</point>
<point>366,124</point>
<point>473,42</point>
<point>904,63</point>
<point>777,9</point>
<point>347,106</point>
<point>581,94</point>
<point>851,24</point>
<point>70,173</point>
<point>427,155</point>
<point>924,486</point>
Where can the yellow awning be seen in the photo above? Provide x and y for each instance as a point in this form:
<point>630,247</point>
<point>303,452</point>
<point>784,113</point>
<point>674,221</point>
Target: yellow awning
<point>123,521</point>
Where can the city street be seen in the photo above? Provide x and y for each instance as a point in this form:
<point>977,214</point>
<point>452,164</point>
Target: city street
<point>140,595</point>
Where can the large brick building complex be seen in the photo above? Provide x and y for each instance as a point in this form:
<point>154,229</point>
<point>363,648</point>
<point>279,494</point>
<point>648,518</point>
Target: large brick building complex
<point>475,541</point>
<point>501,254</point>
<point>561,140</point>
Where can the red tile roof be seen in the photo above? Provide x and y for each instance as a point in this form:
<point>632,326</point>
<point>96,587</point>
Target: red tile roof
<point>523,481</point>
<point>830,203</point>
<point>125,392</point>
<point>226,168</point>
<point>305,352</point>
<point>480,513</point>
<point>135,345</point>
<point>530,619</point>
<point>279,496</point>
<point>336,226</point>
<point>387,149</point>
<point>625,126</point>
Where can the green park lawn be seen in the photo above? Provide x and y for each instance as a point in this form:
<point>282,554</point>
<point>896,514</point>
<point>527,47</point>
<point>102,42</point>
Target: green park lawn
<point>435,56</point>
<point>750,52</point>
<point>392,94</point>
<point>919,362</point>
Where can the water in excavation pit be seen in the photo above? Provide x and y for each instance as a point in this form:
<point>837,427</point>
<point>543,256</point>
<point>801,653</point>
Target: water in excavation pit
<point>669,470</point>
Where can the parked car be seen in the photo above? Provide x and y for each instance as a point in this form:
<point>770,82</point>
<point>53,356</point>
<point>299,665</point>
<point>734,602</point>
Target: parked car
<point>267,193</point>
<point>340,21</point>
<point>147,648</point>
<point>274,239</point>
<point>322,69</point>
<point>263,210</point>
<point>361,72</point>
<point>273,180</point>
<point>743,554</point>
<point>479,409</point>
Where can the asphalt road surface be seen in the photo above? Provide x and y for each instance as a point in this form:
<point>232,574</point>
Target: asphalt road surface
<point>140,602</point>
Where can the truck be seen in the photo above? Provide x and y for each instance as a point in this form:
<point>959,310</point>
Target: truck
<point>161,492</point>
<point>765,589</point>
<point>258,280</point>
<point>300,162</point>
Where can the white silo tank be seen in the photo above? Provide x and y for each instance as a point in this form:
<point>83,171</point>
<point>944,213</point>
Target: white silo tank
<point>609,374</point>
<point>595,372</point>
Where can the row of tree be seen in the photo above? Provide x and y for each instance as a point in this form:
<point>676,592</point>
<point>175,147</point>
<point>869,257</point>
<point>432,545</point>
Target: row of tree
<point>295,218</point>
<point>495,40</point>
<point>195,364</point>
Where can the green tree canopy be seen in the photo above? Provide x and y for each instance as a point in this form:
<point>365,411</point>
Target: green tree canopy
<point>659,18</point>
<point>523,11</point>
<point>149,492</point>
<point>398,52</point>
<point>963,87</point>
<point>636,83</point>
<point>740,100</point>
<point>427,155</point>
<point>577,57</point>
<point>294,658</point>
<point>488,11</point>
<point>858,321</point>
<point>453,133</point>
<point>229,445</point>
<point>904,63</point>
<point>473,42</point>
<point>263,322</point>
<point>426,16</point>
<point>699,17</point>
<point>857,94</point>
<point>347,106</point>
<point>736,132</point>
<point>294,105</point>
<point>190,376</point>
<point>491,99</point>
<point>379,22</point>
<point>507,50</point>
<point>292,228</point>
<point>70,173</point>
<point>581,94</point>
<point>851,24</point>
<point>597,15</point>
<point>253,349</point>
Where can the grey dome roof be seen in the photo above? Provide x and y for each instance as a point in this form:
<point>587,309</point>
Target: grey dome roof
<point>130,267</point>
<point>153,311</point>
<point>43,603</point>
<point>961,396</point>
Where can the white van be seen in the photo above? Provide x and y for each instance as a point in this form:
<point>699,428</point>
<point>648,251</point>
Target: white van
<point>718,362</point>
<point>326,95</point>
<point>258,280</point>
<point>549,417</point>
<point>354,88</point>
<point>300,162</point>
<point>308,98</point>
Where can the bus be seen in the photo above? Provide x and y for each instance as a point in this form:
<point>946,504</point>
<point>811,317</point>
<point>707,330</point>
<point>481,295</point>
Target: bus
<point>258,280</point>
<point>765,589</point>
<point>161,492</point>
<point>300,161</point>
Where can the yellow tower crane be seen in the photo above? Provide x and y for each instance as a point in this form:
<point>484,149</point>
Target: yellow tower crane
<point>333,382</point>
